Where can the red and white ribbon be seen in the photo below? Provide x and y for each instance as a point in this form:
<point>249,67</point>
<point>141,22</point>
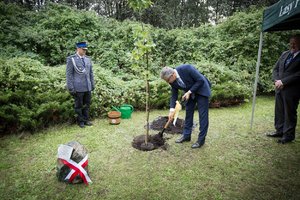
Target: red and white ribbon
<point>77,168</point>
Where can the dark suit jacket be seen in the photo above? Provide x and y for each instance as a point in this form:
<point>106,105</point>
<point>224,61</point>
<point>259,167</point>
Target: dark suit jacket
<point>290,76</point>
<point>194,81</point>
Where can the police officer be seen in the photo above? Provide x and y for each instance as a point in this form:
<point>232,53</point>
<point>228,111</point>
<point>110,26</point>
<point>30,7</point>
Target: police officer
<point>80,82</point>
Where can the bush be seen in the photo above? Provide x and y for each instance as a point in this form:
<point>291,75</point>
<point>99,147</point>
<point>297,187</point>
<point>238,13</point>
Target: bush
<point>50,34</point>
<point>226,84</point>
<point>31,96</point>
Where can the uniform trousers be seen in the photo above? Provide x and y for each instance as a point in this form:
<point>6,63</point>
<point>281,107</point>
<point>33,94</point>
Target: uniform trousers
<point>82,105</point>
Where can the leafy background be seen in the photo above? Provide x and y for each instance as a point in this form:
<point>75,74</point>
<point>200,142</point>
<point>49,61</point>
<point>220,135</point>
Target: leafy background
<point>34,47</point>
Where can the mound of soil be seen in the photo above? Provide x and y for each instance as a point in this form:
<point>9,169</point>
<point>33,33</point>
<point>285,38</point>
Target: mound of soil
<point>159,123</point>
<point>155,141</point>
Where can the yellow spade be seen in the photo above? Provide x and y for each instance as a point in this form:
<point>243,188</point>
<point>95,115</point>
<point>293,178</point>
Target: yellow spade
<point>178,107</point>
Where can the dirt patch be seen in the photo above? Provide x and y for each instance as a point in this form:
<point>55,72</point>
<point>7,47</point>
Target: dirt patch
<point>159,123</point>
<point>155,141</point>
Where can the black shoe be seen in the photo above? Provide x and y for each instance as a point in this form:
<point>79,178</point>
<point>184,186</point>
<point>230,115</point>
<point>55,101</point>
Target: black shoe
<point>183,139</point>
<point>88,123</point>
<point>197,145</point>
<point>274,134</point>
<point>284,140</point>
<point>81,124</point>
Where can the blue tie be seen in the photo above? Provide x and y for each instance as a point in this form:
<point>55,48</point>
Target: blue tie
<point>288,60</point>
<point>180,82</point>
<point>83,62</point>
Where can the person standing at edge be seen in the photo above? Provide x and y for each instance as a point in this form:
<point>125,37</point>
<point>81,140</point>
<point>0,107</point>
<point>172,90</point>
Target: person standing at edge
<point>197,91</point>
<point>80,82</point>
<point>286,77</point>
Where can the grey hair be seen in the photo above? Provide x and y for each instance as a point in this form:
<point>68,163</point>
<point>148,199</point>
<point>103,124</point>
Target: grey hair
<point>166,72</point>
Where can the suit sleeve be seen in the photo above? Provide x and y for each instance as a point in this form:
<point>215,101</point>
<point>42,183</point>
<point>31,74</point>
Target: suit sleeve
<point>275,73</point>
<point>70,75</point>
<point>174,97</point>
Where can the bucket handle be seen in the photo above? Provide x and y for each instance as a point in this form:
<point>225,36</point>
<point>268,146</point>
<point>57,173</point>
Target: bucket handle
<point>128,105</point>
<point>116,108</point>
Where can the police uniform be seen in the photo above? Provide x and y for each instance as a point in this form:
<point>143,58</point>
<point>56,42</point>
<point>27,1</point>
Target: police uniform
<point>80,83</point>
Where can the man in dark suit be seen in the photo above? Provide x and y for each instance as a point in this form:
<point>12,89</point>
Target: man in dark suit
<point>80,82</point>
<point>286,77</point>
<point>197,91</point>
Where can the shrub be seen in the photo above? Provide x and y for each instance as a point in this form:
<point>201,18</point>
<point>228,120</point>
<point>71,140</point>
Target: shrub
<point>31,95</point>
<point>34,96</point>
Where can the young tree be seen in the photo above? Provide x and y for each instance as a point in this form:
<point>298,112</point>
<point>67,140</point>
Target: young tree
<point>143,46</point>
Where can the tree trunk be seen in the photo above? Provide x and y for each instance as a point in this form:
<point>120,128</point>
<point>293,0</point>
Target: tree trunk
<point>147,98</point>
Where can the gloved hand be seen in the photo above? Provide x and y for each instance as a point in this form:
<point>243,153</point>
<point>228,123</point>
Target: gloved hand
<point>186,96</point>
<point>171,115</point>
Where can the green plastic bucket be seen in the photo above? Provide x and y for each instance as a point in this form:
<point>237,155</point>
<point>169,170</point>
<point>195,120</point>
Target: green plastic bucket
<point>126,111</point>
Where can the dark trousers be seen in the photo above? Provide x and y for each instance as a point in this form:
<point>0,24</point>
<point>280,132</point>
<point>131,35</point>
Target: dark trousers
<point>202,105</point>
<point>286,104</point>
<point>82,105</point>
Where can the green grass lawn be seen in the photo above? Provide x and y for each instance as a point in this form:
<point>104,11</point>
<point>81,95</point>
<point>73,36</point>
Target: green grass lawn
<point>235,162</point>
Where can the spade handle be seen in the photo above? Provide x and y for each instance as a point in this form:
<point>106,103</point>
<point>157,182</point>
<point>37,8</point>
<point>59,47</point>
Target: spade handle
<point>167,124</point>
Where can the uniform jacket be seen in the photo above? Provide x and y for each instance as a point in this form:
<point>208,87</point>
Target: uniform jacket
<point>79,78</point>
<point>196,82</point>
<point>290,76</point>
